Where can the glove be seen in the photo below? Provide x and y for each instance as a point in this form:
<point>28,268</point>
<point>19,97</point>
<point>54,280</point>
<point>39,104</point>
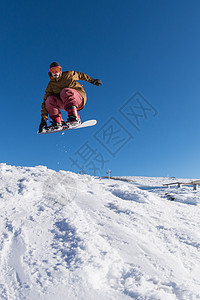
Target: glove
<point>43,124</point>
<point>97,82</point>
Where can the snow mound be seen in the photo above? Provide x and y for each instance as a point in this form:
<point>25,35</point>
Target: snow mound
<point>70,236</point>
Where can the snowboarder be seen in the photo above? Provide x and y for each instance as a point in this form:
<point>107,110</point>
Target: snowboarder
<point>64,92</point>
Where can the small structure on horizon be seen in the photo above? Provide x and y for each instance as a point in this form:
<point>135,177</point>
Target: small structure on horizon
<point>108,172</point>
<point>194,183</point>
<point>81,171</point>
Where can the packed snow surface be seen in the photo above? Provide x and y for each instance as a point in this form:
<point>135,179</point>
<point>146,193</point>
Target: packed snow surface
<point>69,236</point>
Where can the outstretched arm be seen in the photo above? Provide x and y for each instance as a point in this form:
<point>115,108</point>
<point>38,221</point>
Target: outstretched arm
<point>44,112</point>
<point>83,76</point>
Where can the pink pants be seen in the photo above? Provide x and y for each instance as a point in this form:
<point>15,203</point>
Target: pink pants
<point>68,97</point>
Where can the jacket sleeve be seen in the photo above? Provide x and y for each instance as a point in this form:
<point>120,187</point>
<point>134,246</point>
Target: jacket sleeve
<point>44,112</point>
<point>81,76</point>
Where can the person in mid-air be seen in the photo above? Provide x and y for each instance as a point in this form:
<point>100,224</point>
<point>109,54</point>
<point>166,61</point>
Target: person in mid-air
<point>64,92</point>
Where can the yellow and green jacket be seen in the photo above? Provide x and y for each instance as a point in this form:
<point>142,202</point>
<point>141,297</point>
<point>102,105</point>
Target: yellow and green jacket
<point>68,79</point>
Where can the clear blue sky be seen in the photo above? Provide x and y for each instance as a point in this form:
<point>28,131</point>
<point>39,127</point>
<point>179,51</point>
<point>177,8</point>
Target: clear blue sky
<point>146,50</point>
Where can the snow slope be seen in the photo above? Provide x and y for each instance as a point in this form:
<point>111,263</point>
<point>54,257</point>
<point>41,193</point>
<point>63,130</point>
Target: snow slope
<point>69,236</point>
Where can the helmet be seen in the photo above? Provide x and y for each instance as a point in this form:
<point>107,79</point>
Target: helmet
<point>54,64</point>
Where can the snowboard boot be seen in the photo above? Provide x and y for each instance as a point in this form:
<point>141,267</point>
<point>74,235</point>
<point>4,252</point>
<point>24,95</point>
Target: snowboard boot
<point>73,117</point>
<point>55,126</point>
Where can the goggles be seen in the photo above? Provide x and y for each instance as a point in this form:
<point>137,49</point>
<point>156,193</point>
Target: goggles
<point>56,69</point>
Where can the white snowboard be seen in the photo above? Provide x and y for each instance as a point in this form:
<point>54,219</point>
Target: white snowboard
<point>82,125</point>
